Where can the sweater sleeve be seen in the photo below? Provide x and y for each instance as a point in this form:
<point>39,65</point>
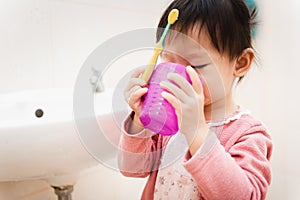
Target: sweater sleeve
<point>242,172</point>
<point>138,153</point>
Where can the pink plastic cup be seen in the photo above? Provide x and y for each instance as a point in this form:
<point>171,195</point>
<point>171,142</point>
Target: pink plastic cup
<point>158,114</point>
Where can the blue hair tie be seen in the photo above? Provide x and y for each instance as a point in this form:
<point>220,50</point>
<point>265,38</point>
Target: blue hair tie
<point>251,5</point>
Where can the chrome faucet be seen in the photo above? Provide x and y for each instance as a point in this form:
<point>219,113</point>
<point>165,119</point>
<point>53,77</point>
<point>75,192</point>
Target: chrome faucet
<point>97,84</point>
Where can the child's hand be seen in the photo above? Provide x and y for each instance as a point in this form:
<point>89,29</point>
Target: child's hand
<point>133,94</point>
<point>188,101</point>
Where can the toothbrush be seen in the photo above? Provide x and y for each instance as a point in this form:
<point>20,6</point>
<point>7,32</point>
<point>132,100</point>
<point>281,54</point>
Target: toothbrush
<point>172,18</point>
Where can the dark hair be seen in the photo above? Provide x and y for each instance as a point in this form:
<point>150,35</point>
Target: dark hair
<point>228,22</point>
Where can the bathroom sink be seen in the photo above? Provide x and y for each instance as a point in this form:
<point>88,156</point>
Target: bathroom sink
<point>39,139</point>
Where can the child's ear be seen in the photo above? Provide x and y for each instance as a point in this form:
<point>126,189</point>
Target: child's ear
<point>243,62</point>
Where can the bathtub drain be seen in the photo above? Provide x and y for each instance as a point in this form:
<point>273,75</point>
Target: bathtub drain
<point>39,113</point>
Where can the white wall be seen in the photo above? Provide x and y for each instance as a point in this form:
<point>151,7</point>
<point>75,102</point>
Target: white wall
<point>271,91</point>
<point>45,42</point>
<point>283,106</point>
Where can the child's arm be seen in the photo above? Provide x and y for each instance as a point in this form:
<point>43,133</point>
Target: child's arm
<point>241,173</point>
<point>138,153</point>
<point>139,148</point>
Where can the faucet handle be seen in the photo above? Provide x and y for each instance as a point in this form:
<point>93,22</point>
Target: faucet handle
<point>98,86</point>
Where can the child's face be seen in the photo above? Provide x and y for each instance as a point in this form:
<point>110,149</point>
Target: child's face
<point>217,75</point>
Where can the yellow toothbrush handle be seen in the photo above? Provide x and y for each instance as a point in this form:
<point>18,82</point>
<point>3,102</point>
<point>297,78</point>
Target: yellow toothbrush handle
<point>172,17</point>
<point>149,69</point>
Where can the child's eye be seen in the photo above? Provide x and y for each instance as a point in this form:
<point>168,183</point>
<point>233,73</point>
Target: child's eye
<point>199,66</point>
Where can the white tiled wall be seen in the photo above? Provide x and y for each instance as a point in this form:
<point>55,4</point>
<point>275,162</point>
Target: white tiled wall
<point>26,49</point>
<point>43,43</point>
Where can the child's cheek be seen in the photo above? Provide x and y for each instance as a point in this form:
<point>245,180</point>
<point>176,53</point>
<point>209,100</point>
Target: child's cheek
<point>205,91</point>
<point>207,96</point>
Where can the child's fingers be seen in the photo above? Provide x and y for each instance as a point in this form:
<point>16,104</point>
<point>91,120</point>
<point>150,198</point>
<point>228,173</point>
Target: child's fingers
<point>131,91</point>
<point>138,72</point>
<point>196,82</point>
<point>136,81</point>
<point>176,91</point>
<point>135,97</point>
<point>133,84</point>
<point>182,83</point>
<point>174,102</point>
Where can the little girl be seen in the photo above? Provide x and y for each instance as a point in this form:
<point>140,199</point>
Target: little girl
<point>220,151</point>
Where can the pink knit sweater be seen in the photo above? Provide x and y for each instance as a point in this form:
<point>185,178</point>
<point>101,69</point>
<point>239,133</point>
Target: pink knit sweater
<point>233,162</point>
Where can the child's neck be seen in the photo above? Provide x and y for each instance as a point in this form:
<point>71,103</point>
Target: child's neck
<point>221,109</point>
